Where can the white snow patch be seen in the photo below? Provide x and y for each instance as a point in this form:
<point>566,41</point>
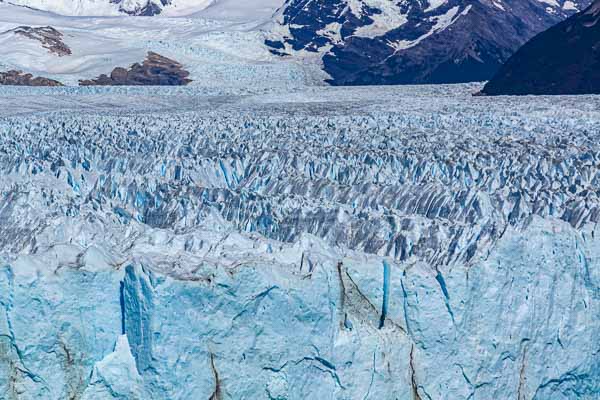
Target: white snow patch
<point>442,23</point>
<point>391,17</point>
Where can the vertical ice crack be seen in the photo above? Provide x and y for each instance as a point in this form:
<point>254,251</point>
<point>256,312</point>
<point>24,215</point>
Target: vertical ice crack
<point>122,303</point>
<point>217,394</point>
<point>522,377</point>
<point>405,306</point>
<point>413,375</point>
<point>345,323</point>
<point>373,371</point>
<point>440,279</point>
<point>386,294</point>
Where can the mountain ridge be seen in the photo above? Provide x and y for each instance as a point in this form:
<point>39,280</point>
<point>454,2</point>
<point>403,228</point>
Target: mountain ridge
<point>364,42</point>
<point>565,59</point>
<point>340,42</point>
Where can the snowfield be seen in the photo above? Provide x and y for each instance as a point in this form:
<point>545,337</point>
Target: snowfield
<point>217,46</point>
<point>298,243</point>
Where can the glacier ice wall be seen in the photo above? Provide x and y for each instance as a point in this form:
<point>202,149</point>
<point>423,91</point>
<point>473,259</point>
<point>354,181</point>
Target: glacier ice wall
<point>413,245</point>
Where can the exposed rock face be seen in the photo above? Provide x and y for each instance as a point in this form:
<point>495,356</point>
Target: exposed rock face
<point>18,78</point>
<point>364,42</point>
<point>563,60</point>
<point>156,70</point>
<point>272,250</point>
<point>145,8</point>
<point>49,37</point>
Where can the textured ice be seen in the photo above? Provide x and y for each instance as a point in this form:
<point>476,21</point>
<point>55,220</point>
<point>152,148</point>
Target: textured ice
<point>325,243</point>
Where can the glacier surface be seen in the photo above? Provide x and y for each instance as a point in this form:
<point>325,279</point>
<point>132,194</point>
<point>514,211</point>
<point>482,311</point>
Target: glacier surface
<point>316,243</point>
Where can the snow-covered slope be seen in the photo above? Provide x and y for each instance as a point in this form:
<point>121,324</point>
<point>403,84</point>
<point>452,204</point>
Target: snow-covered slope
<point>239,10</point>
<point>247,9</point>
<point>217,52</point>
<point>363,243</point>
<point>115,7</point>
<point>277,43</point>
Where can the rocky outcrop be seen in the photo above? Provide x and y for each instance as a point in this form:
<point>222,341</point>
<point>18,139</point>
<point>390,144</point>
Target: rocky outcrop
<point>19,78</point>
<point>156,70</point>
<point>145,8</point>
<point>49,38</point>
<point>563,60</point>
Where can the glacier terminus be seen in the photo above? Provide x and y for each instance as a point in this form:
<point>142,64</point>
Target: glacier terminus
<point>410,243</point>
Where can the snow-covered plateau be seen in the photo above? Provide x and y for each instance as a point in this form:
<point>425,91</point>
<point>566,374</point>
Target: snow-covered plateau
<point>216,46</point>
<point>410,243</point>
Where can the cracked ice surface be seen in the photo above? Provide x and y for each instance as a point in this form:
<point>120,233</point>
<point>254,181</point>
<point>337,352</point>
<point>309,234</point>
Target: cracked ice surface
<point>326,243</point>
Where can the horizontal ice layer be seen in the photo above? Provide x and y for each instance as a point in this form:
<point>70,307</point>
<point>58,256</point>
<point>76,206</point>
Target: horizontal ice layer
<point>322,244</point>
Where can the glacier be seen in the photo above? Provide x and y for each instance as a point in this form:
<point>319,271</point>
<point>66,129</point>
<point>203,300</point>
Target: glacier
<point>300,243</point>
<point>222,45</point>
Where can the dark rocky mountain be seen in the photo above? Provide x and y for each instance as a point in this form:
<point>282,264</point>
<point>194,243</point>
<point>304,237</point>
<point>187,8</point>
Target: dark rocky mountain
<point>145,8</point>
<point>156,70</point>
<point>364,42</point>
<point>48,37</point>
<point>565,59</point>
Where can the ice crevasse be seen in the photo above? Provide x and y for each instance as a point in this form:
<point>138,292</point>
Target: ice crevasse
<point>231,263</point>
